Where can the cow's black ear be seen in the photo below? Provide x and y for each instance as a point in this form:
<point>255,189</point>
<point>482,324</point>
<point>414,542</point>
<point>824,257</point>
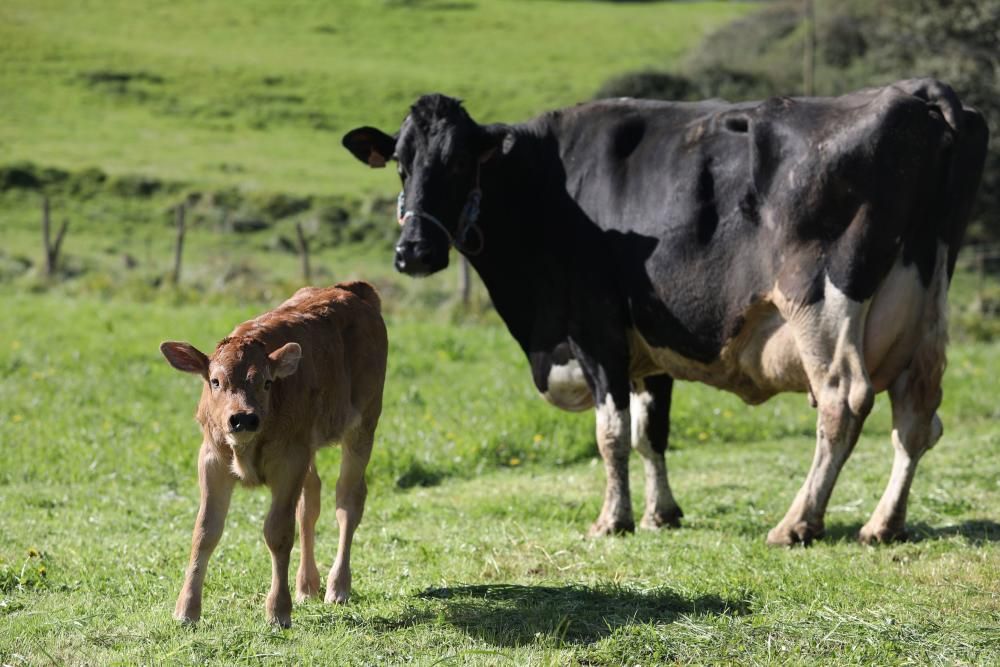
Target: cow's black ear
<point>370,145</point>
<point>496,137</point>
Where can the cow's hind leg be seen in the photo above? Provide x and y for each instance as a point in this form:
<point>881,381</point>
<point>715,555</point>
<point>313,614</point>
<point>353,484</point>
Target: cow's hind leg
<point>650,411</point>
<point>915,429</point>
<point>351,492</point>
<point>829,335</point>
<point>307,582</point>
<point>915,396</point>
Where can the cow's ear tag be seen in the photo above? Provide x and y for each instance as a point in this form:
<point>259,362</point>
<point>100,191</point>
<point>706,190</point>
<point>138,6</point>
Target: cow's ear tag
<point>375,160</point>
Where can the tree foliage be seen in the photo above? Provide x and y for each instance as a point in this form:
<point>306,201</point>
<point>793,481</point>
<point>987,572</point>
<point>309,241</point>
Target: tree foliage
<point>858,43</point>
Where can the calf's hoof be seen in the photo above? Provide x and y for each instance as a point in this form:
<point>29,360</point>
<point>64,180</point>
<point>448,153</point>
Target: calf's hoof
<point>668,518</point>
<point>279,609</point>
<point>337,597</point>
<point>338,588</point>
<point>881,534</point>
<point>283,621</point>
<point>604,527</point>
<point>187,611</point>
<point>787,535</point>
<point>185,618</point>
<point>307,585</point>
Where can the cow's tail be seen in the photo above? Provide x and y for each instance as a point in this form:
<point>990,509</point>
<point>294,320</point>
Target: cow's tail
<point>964,157</point>
<point>365,291</point>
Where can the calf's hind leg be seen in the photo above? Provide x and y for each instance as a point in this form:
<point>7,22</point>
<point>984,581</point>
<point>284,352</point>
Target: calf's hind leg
<point>351,493</point>
<point>307,581</point>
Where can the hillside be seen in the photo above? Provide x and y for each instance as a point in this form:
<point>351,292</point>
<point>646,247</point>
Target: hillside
<point>258,93</point>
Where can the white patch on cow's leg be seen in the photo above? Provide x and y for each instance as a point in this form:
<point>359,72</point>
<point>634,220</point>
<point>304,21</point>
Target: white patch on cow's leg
<point>829,336</point>
<point>915,396</point>
<point>307,581</point>
<point>567,387</point>
<point>613,443</point>
<point>661,508</point>
<point>351,493</point>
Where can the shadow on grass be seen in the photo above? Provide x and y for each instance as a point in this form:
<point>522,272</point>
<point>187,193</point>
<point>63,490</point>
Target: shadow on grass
<point>976,531</point>
<point>515,615</point>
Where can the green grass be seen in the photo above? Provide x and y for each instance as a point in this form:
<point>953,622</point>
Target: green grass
<point>472,547</point>
<point>259,93</point>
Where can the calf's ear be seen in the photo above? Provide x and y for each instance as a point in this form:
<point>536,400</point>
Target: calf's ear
<point>370,145</point>
<point>185,357</point>
<point>285,360</point>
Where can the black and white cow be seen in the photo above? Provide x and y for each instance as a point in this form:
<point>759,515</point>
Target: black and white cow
<point>800,244</point>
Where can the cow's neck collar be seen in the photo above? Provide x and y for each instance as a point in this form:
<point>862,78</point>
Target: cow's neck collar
<point>468,238</point>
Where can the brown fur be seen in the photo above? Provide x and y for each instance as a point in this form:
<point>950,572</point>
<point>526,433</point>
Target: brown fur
<point>308,373</point>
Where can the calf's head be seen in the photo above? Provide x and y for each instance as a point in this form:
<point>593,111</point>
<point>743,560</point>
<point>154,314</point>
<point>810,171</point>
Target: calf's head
<point>239,376</point>
<point>438,151</point>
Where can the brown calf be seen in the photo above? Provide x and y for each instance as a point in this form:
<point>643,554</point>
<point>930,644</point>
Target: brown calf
<point>278,388</point>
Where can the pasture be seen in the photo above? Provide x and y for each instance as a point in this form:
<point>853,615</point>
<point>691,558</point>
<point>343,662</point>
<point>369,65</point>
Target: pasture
<point>472,549</point>
<point>472,546</point>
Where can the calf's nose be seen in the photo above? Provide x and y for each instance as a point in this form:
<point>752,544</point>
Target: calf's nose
<point>244,421</point>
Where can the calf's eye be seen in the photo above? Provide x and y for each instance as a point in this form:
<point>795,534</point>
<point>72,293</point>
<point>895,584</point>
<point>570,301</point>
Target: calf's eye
<point>215,382</point>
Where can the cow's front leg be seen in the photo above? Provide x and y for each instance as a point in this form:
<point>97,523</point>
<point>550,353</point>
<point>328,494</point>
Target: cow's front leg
<point>216,484</point>
<point>613,442</point>
<point>279,533</point>
<point>650,410</point>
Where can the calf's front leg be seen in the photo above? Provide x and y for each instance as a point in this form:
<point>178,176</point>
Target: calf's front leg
<point>216,484</point>
<point>279,534</point>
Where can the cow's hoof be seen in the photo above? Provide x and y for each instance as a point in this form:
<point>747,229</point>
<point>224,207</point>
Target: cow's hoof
<point>307,585</point>
<point>604,527</point>
<point>670,518</point>
<point>881,534</point>
<point>800,532</point>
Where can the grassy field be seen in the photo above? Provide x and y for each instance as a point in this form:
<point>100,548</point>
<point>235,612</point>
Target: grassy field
<point>259,93</point>
<point>472,547</point>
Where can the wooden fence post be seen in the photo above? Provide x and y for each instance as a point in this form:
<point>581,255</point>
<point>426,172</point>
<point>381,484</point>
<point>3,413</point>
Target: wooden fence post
<point>809,49</point>
<point>179,244</point>
<point>464,280</point>
<point>51,249</point>
<point>304,253</point>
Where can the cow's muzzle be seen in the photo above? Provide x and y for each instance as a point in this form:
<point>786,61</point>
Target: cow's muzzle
<point>416,258</point>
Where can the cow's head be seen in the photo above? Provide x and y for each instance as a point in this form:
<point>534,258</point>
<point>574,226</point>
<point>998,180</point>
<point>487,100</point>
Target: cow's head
<point>438,150</point>
<point>236,401</point>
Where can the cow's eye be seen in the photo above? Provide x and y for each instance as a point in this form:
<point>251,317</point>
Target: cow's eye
<point>267,385</point>
<point>215,382</point>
